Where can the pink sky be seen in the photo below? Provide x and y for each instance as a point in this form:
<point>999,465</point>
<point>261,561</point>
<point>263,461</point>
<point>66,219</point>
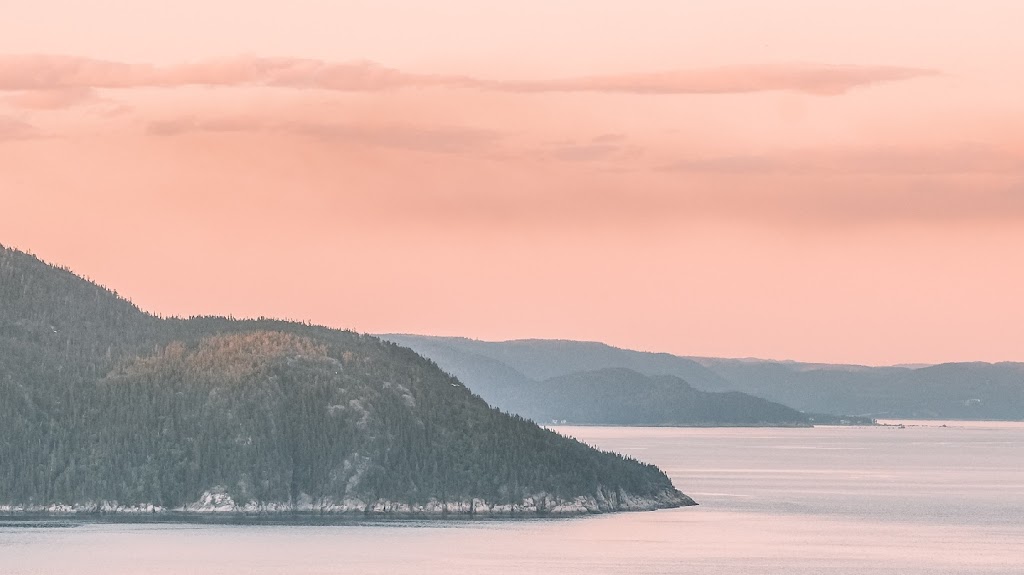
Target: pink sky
<point>797,179</point>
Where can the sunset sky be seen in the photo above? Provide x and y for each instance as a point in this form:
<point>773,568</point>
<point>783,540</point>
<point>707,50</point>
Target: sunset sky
<point>799,179</point>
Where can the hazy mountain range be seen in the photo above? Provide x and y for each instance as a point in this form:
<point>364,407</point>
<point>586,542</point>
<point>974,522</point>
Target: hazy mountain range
<point>106,408</point>
<point>527,377</point>
<point>593,384</point>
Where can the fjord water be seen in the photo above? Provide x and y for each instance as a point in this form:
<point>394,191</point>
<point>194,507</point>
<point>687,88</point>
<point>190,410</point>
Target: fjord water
<point>925,499</point>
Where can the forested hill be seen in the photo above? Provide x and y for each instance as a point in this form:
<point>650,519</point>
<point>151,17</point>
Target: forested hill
<point>106,408</point>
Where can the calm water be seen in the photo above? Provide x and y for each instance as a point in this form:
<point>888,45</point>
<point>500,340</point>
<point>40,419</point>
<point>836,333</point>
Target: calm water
<point>924,499</point>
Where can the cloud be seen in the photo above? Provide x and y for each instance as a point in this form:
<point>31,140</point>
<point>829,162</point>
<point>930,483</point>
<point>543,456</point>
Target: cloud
<point>959,159</point>
<point>608,139</point>
<point>435,139</point>
<point>15,129</point>
<point>56,73</point>
<point>815,204</point>
<point>608,147</point>
<point>808,78</point>
<point>438,139</point>
<point>585,152</point>
<point>52,99</point>
<point>192,124</point>
<point>597,150</point>
<point>919,201</point>
<point>44,72</point>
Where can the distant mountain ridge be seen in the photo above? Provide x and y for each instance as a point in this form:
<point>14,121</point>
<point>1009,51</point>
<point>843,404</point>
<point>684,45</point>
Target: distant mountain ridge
<point>974,390</point>
<point>592,383</point>
<point>105,408</point>
<point>656,400</point>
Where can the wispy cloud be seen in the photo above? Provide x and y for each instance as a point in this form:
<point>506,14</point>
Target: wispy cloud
<point>808,78</point>
<point>816,204</point>
<point>49,99</point>
<point>436,139</point>
<point>585,152</point>
<point>605,147</point>
<point>56,73</point>
<point>964,158</point>
<point>16,129</point>
<point>188,124</point>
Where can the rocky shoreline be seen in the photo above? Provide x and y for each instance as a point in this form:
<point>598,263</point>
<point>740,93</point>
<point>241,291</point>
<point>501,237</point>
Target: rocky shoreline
<point>216,504</point>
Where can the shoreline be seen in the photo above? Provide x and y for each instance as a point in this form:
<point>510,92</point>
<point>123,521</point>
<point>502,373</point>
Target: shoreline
<point>217,508</point>
<point>298,519</point>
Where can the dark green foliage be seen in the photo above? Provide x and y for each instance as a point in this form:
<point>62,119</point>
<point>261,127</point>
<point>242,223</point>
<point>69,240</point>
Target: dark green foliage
<point>100,401</point>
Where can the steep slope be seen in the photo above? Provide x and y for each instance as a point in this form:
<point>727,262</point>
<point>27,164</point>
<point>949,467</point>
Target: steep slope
<point>619,396</point>
<point>104,407</point>
<point>497,383</point>
<point>595,393</point>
